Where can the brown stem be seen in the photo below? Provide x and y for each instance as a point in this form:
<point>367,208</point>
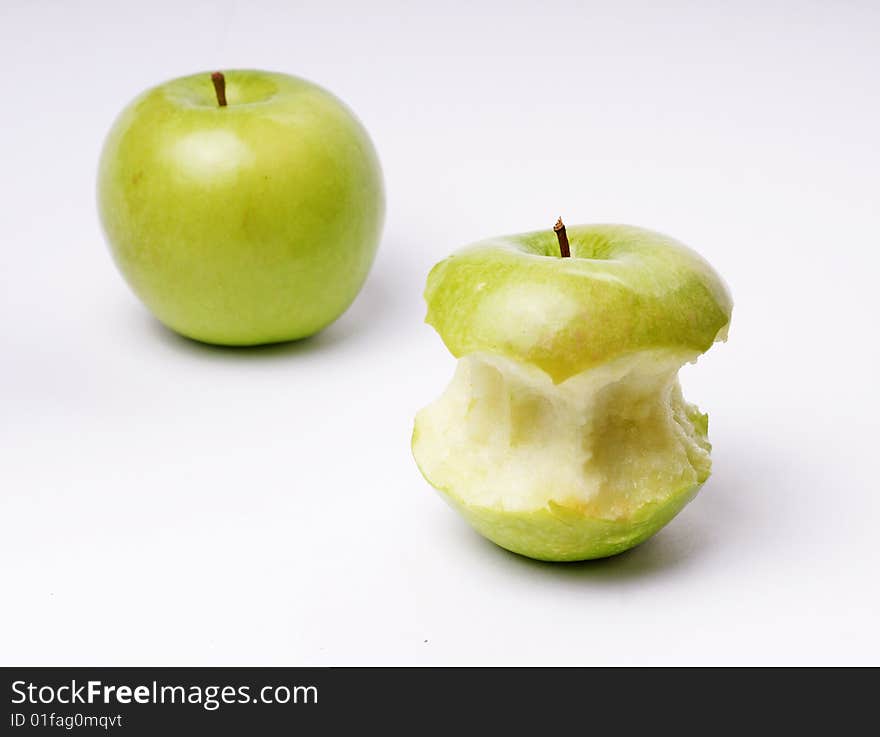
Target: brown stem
<point>219,87</point>
<point>564,250</point>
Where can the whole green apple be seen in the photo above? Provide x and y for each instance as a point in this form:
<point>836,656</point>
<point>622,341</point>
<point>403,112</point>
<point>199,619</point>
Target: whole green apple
<point>564,434</point>
<point>242,208</point>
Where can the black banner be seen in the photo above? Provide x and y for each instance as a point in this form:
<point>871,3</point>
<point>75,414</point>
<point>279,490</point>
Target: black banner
<point>251,701</point>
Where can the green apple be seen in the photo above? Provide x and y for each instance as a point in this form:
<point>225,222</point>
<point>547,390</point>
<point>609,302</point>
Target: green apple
<point>241,209</point>
<point>564,434</point>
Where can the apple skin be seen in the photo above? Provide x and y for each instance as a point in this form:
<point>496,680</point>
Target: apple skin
<point>253,223</point>
<point>560,534</point>
<point>625,292</point>
<point>624,289</point>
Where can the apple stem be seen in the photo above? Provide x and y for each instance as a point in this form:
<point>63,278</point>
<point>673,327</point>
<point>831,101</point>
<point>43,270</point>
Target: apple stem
<point>219,87</point>
<point>563,238</point>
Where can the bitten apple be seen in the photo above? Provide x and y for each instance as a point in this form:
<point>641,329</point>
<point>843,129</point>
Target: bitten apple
<point>564,434</point>
<point>242,208</point>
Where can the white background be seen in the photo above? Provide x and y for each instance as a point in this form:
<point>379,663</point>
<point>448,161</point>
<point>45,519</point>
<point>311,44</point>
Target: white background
<point>164,502</point>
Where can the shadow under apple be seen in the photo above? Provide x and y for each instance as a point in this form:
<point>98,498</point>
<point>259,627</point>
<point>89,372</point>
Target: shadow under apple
<point>720,518</point>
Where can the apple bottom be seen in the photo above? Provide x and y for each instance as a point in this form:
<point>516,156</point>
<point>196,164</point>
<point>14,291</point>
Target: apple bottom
<point>561,534</point>
<point>582,469</point>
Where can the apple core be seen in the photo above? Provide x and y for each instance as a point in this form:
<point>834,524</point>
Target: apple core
<point>564,434</point>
